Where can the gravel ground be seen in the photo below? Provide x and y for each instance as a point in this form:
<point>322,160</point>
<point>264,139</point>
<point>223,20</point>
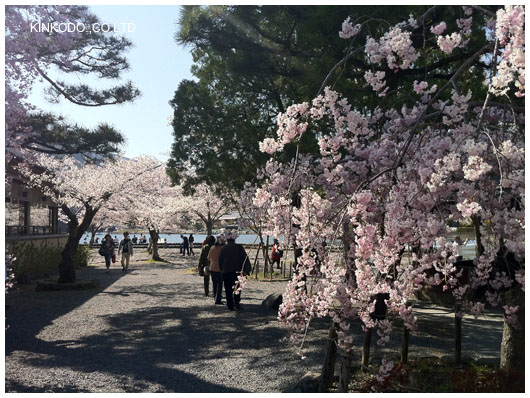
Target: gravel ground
<point>153,330</point>
<point>150,330</point>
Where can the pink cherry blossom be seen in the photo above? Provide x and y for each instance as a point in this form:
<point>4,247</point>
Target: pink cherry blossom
<point>449,42</point>
<point>348,30</point>
<point>439,29</point>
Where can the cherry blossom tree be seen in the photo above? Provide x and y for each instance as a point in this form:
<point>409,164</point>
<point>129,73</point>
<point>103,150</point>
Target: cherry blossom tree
<point>153,204</point>
<point>387,180</point>
<point>252,208</point>
<point>81,190</point>
<point>205,206</point>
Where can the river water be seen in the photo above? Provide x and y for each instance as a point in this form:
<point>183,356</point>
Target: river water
<point>175,238</point>
<point>468,251</point>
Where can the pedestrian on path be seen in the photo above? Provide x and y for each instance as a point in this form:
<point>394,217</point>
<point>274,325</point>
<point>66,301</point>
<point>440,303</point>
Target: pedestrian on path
<point>204,264</point>
<point>276,254</point>
<point>107,247</point>
<point>185,245</point>
<point>126,249</point>
<point>215,269</point>
<point>233,259</point>
<point>191,239</point>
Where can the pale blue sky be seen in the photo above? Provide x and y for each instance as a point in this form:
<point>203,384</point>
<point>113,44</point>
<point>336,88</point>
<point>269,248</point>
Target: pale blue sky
<point>157,63</point>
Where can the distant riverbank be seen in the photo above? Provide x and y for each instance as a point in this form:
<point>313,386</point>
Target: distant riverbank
<point>175,238</point>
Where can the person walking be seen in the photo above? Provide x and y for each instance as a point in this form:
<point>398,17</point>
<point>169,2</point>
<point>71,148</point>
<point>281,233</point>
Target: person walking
<point>191,239</point>
<point>233,261</point>
<point>107,249</point>
<point>126,249</point>
<point>204,264</point>
<point>215,269</point>
<point>276,254</point>
<point>185,245</point>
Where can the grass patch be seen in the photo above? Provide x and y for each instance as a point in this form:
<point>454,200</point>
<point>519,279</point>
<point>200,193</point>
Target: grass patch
<point>151,261</point>
<point>432,375</point>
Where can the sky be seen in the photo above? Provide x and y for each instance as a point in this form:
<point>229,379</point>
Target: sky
<point>157,65</point>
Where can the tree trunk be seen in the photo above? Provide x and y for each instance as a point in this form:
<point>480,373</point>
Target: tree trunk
<point>92,237</point>
<point>347,239</point>
<point>478,236</point>
<point>512,345</point>
<point>209,227</point>
<point>75,233</point>
<point>154,245</point>
<point>95,230</point>
<point>66,266</point>
<point>265,249</point>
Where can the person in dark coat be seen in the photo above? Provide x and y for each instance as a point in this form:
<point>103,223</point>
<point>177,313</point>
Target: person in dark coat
<point>191,239</point>
<point>233,259</point>
<point>204,264</point>
<point>108,246</point>
<point>185,245</point>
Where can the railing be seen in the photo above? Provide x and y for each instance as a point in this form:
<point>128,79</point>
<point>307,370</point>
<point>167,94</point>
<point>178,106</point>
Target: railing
<point>13,230</point>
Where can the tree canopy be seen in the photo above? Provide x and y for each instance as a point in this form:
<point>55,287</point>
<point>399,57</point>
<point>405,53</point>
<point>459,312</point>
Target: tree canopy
<point>252,61</point>
<point>39,42</point>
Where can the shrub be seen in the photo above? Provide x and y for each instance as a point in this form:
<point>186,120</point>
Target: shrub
<point>33,262</point>
<point>82,256</point>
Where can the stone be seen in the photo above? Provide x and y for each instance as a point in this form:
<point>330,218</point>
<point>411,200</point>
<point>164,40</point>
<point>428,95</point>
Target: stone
<point>273,301</point>
<point>308,383</point>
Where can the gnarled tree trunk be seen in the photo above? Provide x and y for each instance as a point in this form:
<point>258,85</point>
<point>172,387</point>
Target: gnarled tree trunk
<point>154,244</point>
<point>512,345</point>
<point>75,233</point>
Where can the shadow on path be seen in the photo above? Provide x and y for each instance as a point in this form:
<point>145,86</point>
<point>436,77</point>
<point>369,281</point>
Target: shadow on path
<point>45,306</point>
<point>162,347</point>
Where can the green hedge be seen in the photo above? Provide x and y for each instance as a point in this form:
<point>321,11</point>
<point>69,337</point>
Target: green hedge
<point>34,262</point>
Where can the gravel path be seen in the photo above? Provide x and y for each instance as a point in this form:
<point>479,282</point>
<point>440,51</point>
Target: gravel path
<point>152,330</point>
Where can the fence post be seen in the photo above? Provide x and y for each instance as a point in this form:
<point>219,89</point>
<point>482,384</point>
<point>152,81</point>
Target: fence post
<point>328,370</point>
<point>267,266</point>
<point>257,269</point>
<point>405,345</point>
<point>345,369</point>
<point>458,334</point>
<point>366,348</point>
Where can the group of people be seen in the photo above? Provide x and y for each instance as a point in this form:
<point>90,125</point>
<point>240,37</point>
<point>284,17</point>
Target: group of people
<point>141,239</point>
<point>187,245</point>
<point>223,260</point>
<point>125,247</point>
